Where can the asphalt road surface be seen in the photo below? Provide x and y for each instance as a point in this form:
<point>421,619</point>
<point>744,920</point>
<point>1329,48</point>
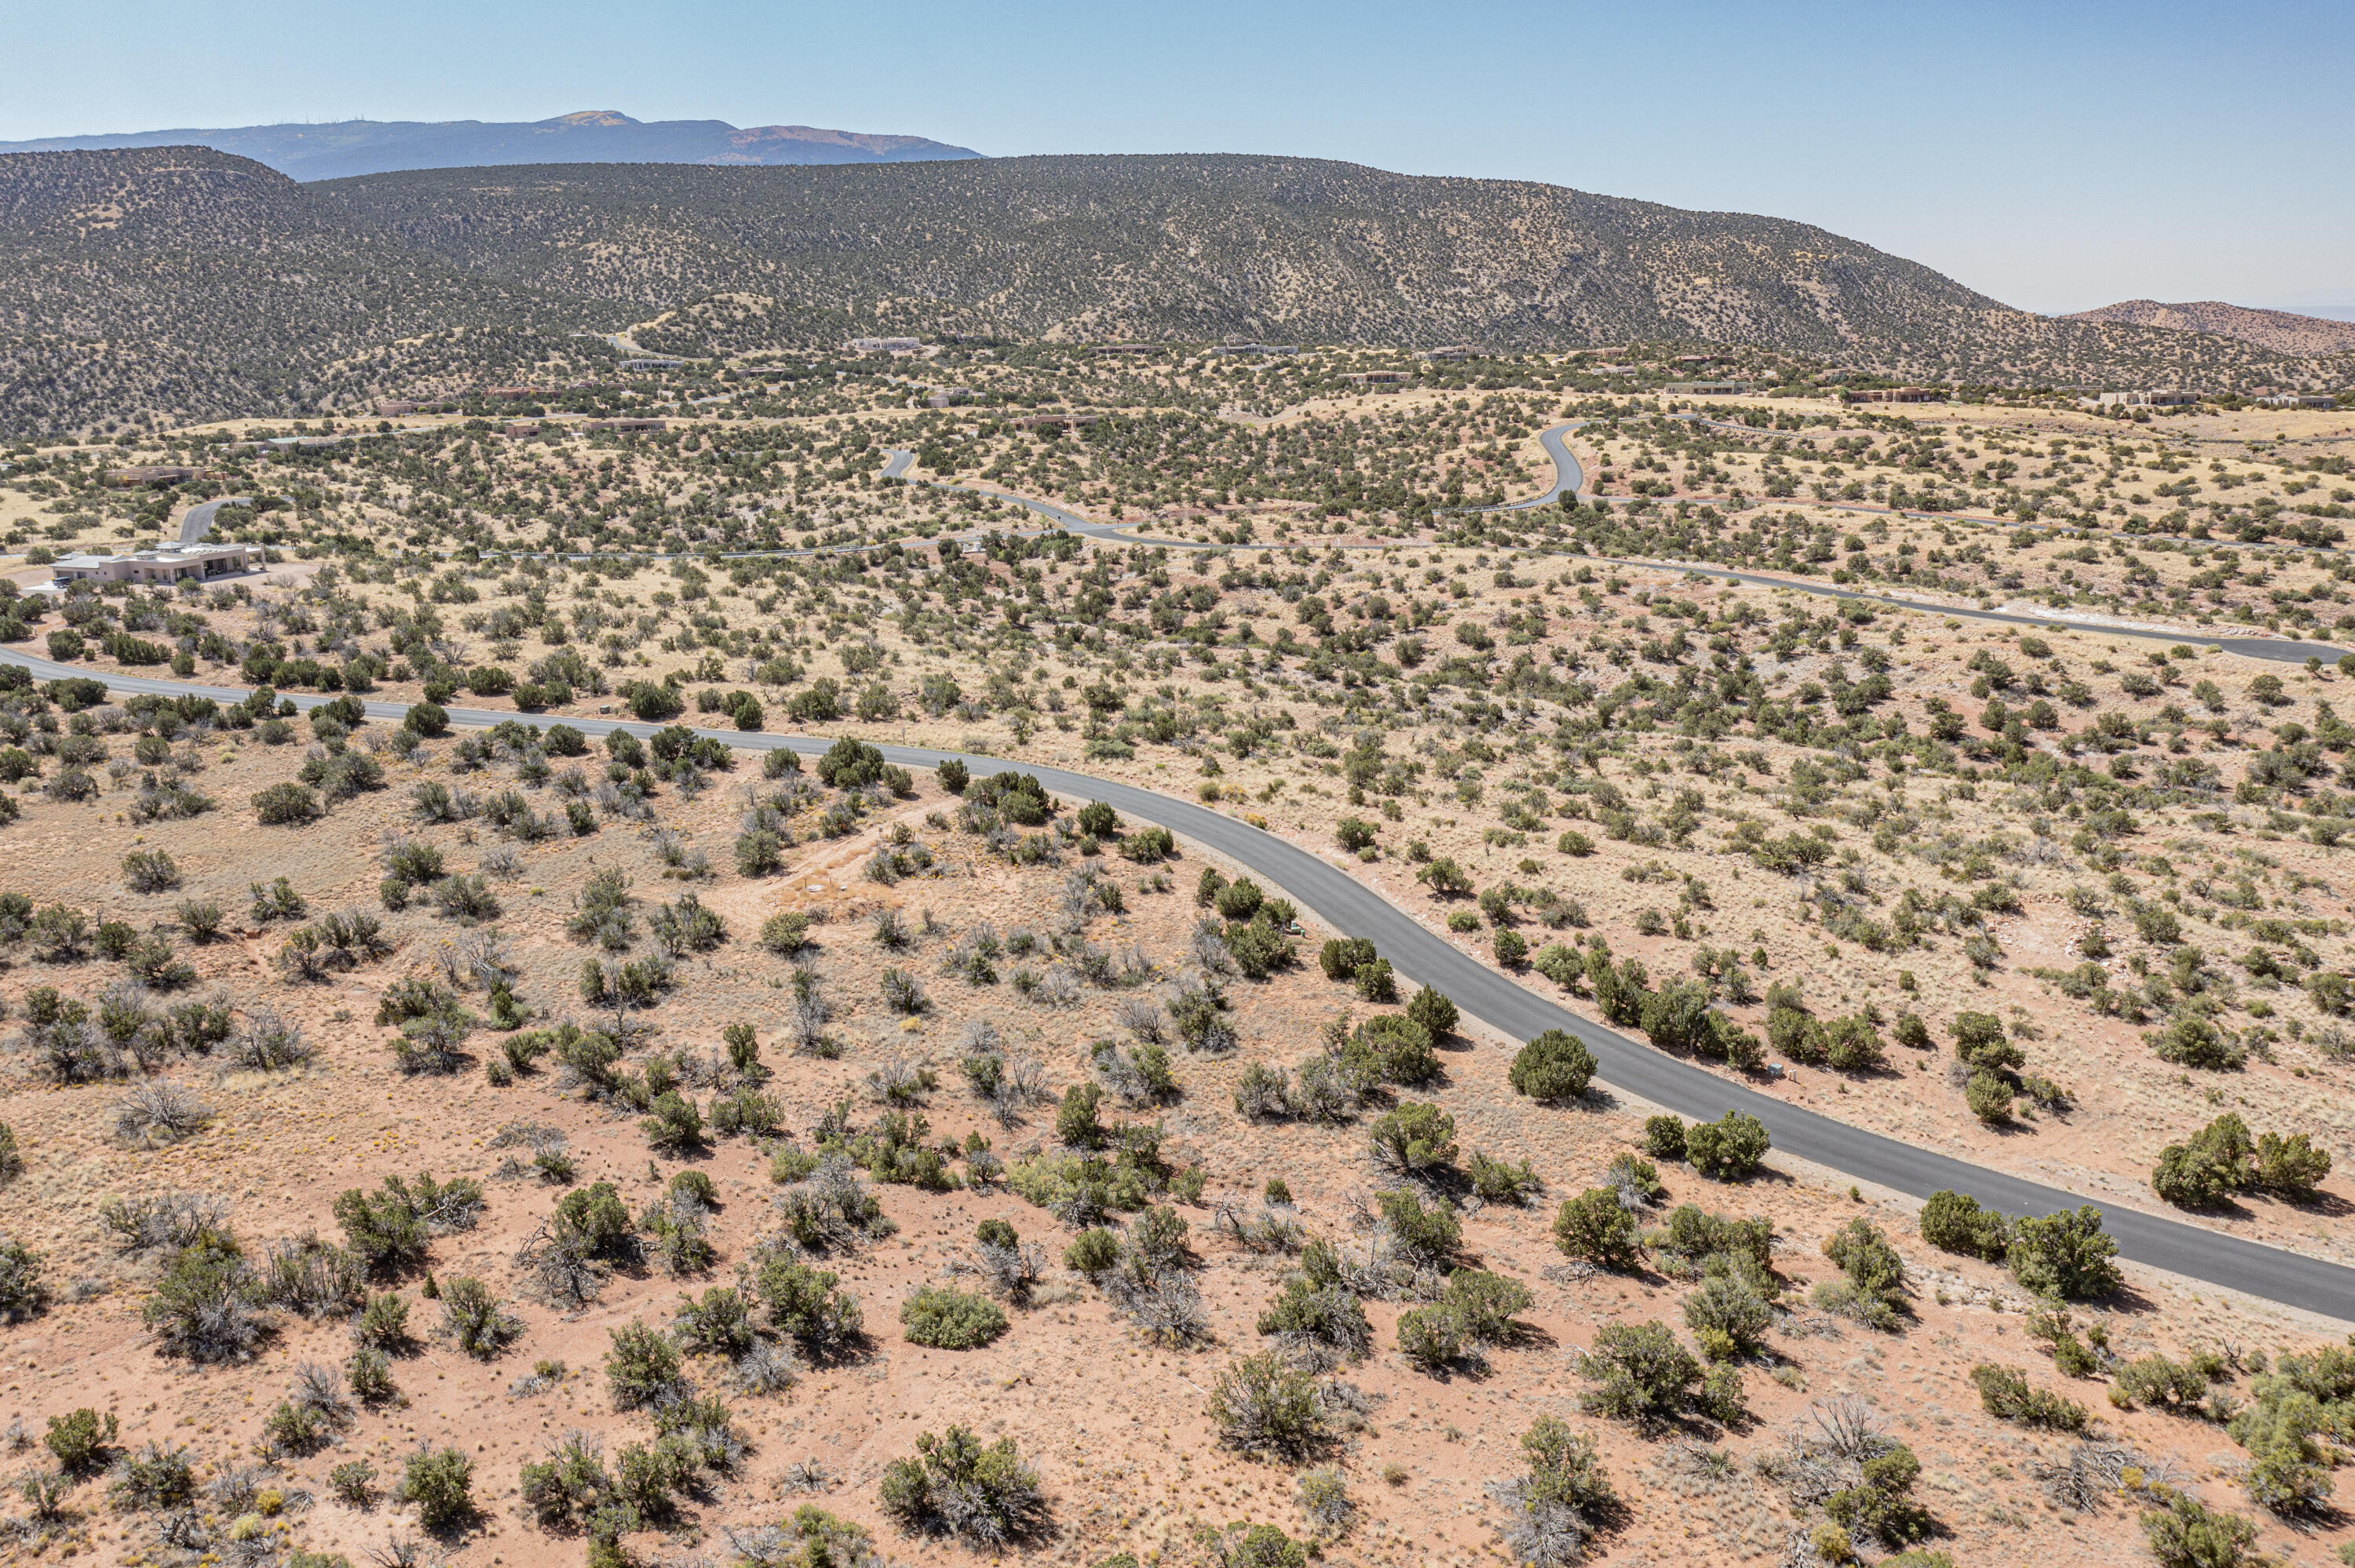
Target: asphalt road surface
<point>896,467</point>
<point>1983,519</point>
<point>200,519</point>
<point>1626,1065</point>
<point>1569,477</point>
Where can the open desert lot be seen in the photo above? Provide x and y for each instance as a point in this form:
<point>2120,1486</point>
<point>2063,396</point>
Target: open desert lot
<point>952,860</point>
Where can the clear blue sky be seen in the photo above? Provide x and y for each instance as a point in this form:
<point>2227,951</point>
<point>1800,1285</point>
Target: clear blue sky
<point>2055,155</point>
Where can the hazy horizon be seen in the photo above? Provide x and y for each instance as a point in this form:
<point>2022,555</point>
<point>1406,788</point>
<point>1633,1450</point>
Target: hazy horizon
<point>2018,150</point>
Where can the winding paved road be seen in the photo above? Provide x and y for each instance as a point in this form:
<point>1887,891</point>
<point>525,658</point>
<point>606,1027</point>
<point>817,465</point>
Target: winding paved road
<point>1062,517</point>
<point>1985,520</point>
<point>1570,477</point>
<point>1349,906</point>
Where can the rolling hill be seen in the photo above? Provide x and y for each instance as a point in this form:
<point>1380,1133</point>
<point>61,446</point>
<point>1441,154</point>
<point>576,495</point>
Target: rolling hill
<point>1200,246</point>
<point>593,136</point>
<point>182,282</point>
<point>186,282</point>
<point>2282,332</point>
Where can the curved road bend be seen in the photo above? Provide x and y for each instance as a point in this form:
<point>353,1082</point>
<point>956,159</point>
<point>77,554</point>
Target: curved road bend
<point>1571,477</point>
<point>1349,906</point>
<point>898,461</point>
<point>1568,477</point>
<point>1985,520</point>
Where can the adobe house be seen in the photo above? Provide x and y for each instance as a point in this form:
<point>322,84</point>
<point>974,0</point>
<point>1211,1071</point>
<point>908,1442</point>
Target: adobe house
<point>177,563</point>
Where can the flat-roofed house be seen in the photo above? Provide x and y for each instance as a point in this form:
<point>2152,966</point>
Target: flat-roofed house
<point>153,474</point>
<point>201,563</point>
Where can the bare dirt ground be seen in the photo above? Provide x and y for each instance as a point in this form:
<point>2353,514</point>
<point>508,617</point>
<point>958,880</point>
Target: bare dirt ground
<point>2192,721</point>
<point>2088,839</point>
<point>1115,1421</point>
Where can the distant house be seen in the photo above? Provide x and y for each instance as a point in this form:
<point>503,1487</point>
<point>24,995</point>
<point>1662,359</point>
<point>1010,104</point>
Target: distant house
<point>287,443</point>
<point>153,474</point>
<point>1896,394</point>
<point>1260,349</point>
<point>1453,351</point>
<point>624,425</point>
<point>392,408</point>
<point>2299,400</point>
<point>1125,348</point>
<point>652,364</point>
<point>2140,399</point>
<point>1698,358</point>
<point>885,344</point>
<point>200,562</point>
<point>1707,389</point>
<point>948,397</point>
<point>1375,377</point>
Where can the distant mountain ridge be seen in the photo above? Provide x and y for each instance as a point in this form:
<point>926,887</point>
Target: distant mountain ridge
<point>181,282</point>
<point>2283,331</point>
<point>593,136</point>
<point>1191,245</point>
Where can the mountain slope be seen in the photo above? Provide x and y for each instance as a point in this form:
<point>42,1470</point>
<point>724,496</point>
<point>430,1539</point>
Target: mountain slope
<point>189,282</point>
<point>595,137</point>
<point>2282,332</point>
<point>1204,245</point>
<point>183,282</point>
